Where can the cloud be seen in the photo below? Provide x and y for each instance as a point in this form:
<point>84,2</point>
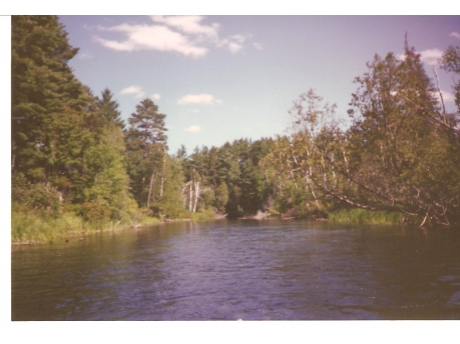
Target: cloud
<point>233,43</point>
<point>155,96</point>
<point>189,24</point>
<point>447,96</point>
<point>431,56</point>
<point>84,56</point>
<point>455,34</point>
<point>136,90</point>
<point>428,56</point>
<point>258,46</point>
<point>193,129</point>
<point>145,37</point>
<point>186,35</point>
<point>234,47</point>
<point>196,99</point>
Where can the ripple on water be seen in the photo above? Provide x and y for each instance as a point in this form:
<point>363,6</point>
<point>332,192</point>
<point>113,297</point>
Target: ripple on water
<point>268,270</point>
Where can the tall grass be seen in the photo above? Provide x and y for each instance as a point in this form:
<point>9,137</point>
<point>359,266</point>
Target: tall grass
<point>362,216</point>
<point>31,228</point>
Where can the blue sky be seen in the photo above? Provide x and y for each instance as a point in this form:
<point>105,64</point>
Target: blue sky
<point>249,75</point>
<point>220,78</point>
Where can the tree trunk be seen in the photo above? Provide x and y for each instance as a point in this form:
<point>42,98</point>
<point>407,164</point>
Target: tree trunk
<point>307,180</point>
<point>190,197</point>
<point>197,193</point>
<point>163,175</point>
<point>150,190</point>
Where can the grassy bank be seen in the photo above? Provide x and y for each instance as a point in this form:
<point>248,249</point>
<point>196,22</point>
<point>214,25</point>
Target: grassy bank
<point>30,228</point>
<point>361,216</point>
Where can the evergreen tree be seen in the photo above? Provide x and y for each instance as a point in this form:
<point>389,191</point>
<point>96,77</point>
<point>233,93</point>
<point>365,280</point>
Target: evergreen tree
<point>146,153</point>
<point>46,98</point>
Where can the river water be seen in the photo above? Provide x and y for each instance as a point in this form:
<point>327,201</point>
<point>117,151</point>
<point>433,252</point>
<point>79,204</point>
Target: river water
<point>250,270</point>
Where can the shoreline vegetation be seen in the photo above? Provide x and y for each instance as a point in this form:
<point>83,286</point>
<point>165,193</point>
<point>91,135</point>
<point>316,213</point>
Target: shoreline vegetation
<point>33,229</point>
<point>78,167</point>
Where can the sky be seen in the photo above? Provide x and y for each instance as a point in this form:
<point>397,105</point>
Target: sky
<point>221,78</point>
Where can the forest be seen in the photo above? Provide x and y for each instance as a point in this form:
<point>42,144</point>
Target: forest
<point>76,165</point>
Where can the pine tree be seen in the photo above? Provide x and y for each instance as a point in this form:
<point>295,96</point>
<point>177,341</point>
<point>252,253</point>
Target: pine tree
<point>46,97</point>
<point>146,153</point>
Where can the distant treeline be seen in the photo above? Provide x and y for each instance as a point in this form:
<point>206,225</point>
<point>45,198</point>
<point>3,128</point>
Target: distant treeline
<point>73,154</point>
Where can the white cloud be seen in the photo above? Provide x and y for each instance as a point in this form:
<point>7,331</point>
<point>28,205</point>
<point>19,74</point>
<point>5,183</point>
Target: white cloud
<point>193,129</point>
<point>153,37</point>
<point>84,56</point>
<point>428,56</point>
<point>196,99</point>
<point>233,44</point>
<point>186,35</point>
<point>189,25</point>
<point>447,96</point>
<point>400,57</point>
<point>455,34</point>
<point>155,96</point>
<point>431,56</point>
<point>258,46</point>
<point>136,90</point>
<point>234,47</point>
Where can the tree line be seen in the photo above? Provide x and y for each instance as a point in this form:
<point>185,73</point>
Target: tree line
<point>72,152</point>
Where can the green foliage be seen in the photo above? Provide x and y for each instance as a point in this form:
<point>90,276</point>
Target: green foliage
<point>401,154</point>
<point>170,204</point>
<point>34,228</point>
<point>42,199</point>
<point>97,213</point>
<point>75,166</point>
<point>46,100</point>
<point>450,62</point>
<point>221,197</point>
<point>146,153</point>
<point>362,216</point>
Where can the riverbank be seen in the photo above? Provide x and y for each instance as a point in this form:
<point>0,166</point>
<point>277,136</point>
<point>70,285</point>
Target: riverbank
<point>28,228</point>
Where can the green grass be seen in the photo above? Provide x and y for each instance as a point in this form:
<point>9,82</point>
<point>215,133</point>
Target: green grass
<point>362,216</point>
<point>31,228</point>
<point>207,214</point>
<point>28,227</point>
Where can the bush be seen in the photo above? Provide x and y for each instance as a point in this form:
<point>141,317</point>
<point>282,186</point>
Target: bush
<point>97,213</point>
<point>41,198</point>
<point>362,216</point>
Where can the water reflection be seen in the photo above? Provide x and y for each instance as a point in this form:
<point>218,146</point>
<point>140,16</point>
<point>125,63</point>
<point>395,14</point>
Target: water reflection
<point>275,270</point>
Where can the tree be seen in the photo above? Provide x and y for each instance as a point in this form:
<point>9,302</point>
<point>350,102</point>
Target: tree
<point>450,62</point>
<point>146,152</point>
<point>406,161</point>
<point>47,100</point>
<point>221,197</point>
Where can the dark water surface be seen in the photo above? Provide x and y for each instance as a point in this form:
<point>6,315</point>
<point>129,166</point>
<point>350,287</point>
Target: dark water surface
<point>228,270</point>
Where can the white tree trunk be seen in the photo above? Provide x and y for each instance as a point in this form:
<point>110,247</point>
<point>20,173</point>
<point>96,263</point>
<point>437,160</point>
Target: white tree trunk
<point>197,193</point>
<point>190,197</point>
<point>150,190</point>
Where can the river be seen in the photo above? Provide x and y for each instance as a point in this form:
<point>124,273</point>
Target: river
<point>249,270</point>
